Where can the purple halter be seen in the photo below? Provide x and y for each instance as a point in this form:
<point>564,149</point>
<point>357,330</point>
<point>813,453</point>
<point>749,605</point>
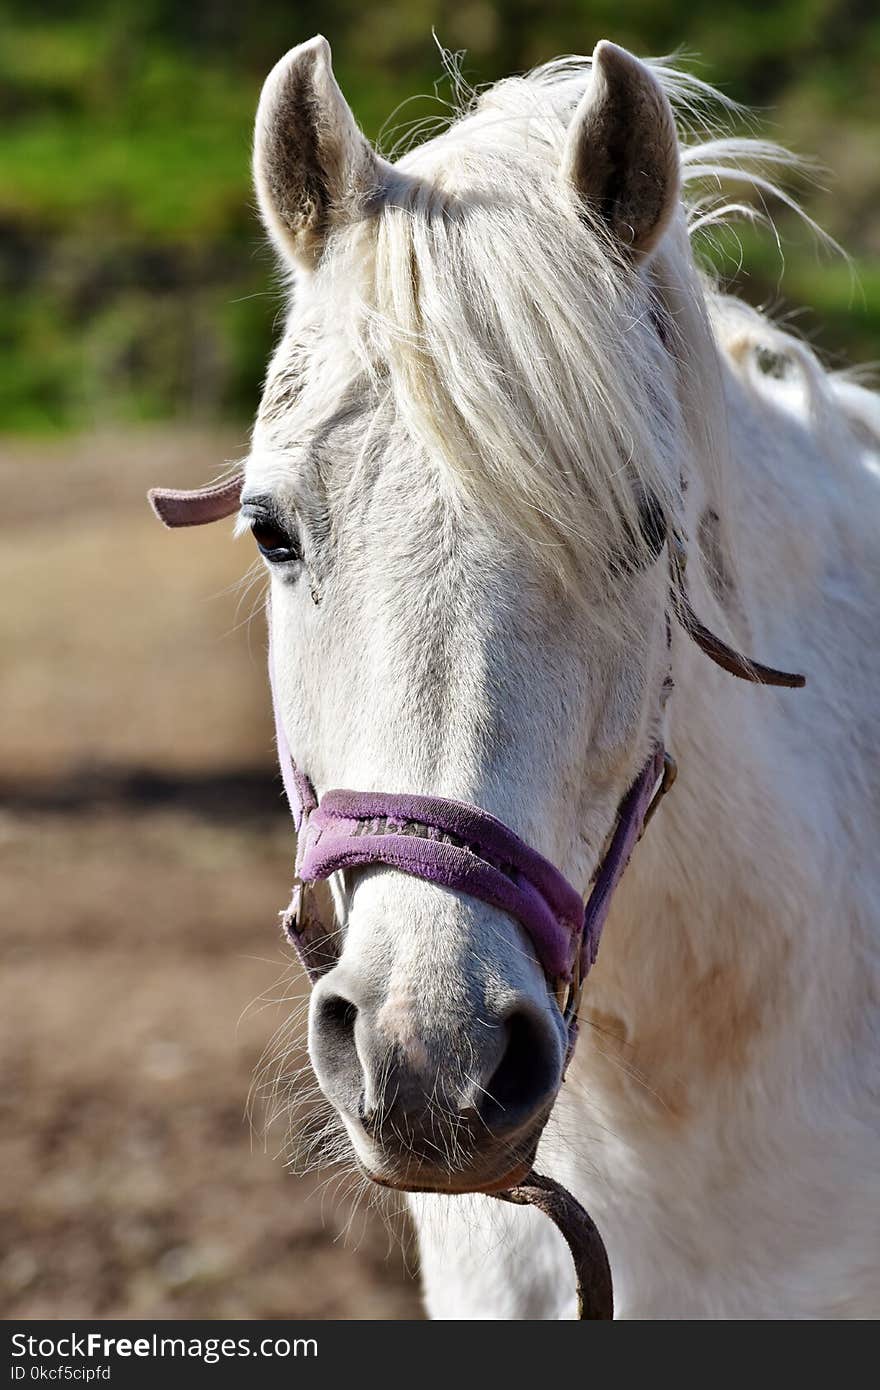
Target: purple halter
<point>450,843</point>
<point>462,847</point>
<point>454,844</point>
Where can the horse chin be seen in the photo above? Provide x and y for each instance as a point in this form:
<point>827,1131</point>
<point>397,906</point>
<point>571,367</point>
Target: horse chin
<point>455,1184</point>
<point>491,1172</point>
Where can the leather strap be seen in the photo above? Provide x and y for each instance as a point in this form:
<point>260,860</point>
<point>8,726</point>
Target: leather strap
<point>177,507</point>
<point>724,656</point>
<point>595,1292</point>
<point>196,506</point>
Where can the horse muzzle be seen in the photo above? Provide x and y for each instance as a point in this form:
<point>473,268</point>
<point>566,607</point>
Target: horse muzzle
<point>451,1104</point>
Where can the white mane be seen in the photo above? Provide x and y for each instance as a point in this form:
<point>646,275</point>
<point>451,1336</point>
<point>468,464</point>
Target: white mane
<point>503,326</point>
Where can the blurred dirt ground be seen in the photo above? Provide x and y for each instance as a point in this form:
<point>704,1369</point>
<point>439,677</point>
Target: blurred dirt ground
<point>145,852</point>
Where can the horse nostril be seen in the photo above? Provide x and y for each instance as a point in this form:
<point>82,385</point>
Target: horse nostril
<point>332,1042</point>
<point>337,1015</point>
<point>527,1076</point>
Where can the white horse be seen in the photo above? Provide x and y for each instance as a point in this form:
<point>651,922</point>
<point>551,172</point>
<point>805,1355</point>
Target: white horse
<point>499,353</point>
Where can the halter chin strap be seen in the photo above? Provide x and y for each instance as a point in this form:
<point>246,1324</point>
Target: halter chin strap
<point>452,843</point>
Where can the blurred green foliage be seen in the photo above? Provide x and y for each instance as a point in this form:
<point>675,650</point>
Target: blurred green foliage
<point>135,281</point>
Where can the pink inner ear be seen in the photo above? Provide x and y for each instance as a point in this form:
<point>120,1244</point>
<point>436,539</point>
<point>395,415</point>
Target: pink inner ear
<point>179,507</point>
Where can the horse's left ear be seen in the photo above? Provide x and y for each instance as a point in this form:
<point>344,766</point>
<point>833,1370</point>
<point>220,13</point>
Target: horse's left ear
<point>621,152</point>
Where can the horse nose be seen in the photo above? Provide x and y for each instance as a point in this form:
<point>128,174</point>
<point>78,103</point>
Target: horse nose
<point>497,1073</point>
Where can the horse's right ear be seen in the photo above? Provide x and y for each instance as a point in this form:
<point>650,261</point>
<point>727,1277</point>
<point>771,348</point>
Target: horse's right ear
<point>313,168</point>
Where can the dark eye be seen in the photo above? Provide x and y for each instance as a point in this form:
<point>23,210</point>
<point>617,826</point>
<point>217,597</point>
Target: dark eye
<point>273,543</point>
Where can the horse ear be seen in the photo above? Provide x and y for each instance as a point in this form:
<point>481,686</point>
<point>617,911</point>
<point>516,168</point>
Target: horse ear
<point>621,152</point>
<point>313,168</point>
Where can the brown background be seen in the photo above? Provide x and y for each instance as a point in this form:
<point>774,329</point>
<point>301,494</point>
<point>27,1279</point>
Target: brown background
<point>144,853</point>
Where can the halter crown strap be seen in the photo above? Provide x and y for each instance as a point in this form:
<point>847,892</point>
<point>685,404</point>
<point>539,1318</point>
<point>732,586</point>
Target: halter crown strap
<point>177,507</point>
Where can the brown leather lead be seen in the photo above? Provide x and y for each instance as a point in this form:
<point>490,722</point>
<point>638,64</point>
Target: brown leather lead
<point>591,1267</point>
<point>724,656</point>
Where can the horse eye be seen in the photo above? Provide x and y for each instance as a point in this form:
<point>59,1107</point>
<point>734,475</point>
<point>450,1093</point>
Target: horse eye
<point>273,543</point>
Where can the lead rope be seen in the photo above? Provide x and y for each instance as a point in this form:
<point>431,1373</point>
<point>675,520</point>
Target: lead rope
<point>595,1292</point>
